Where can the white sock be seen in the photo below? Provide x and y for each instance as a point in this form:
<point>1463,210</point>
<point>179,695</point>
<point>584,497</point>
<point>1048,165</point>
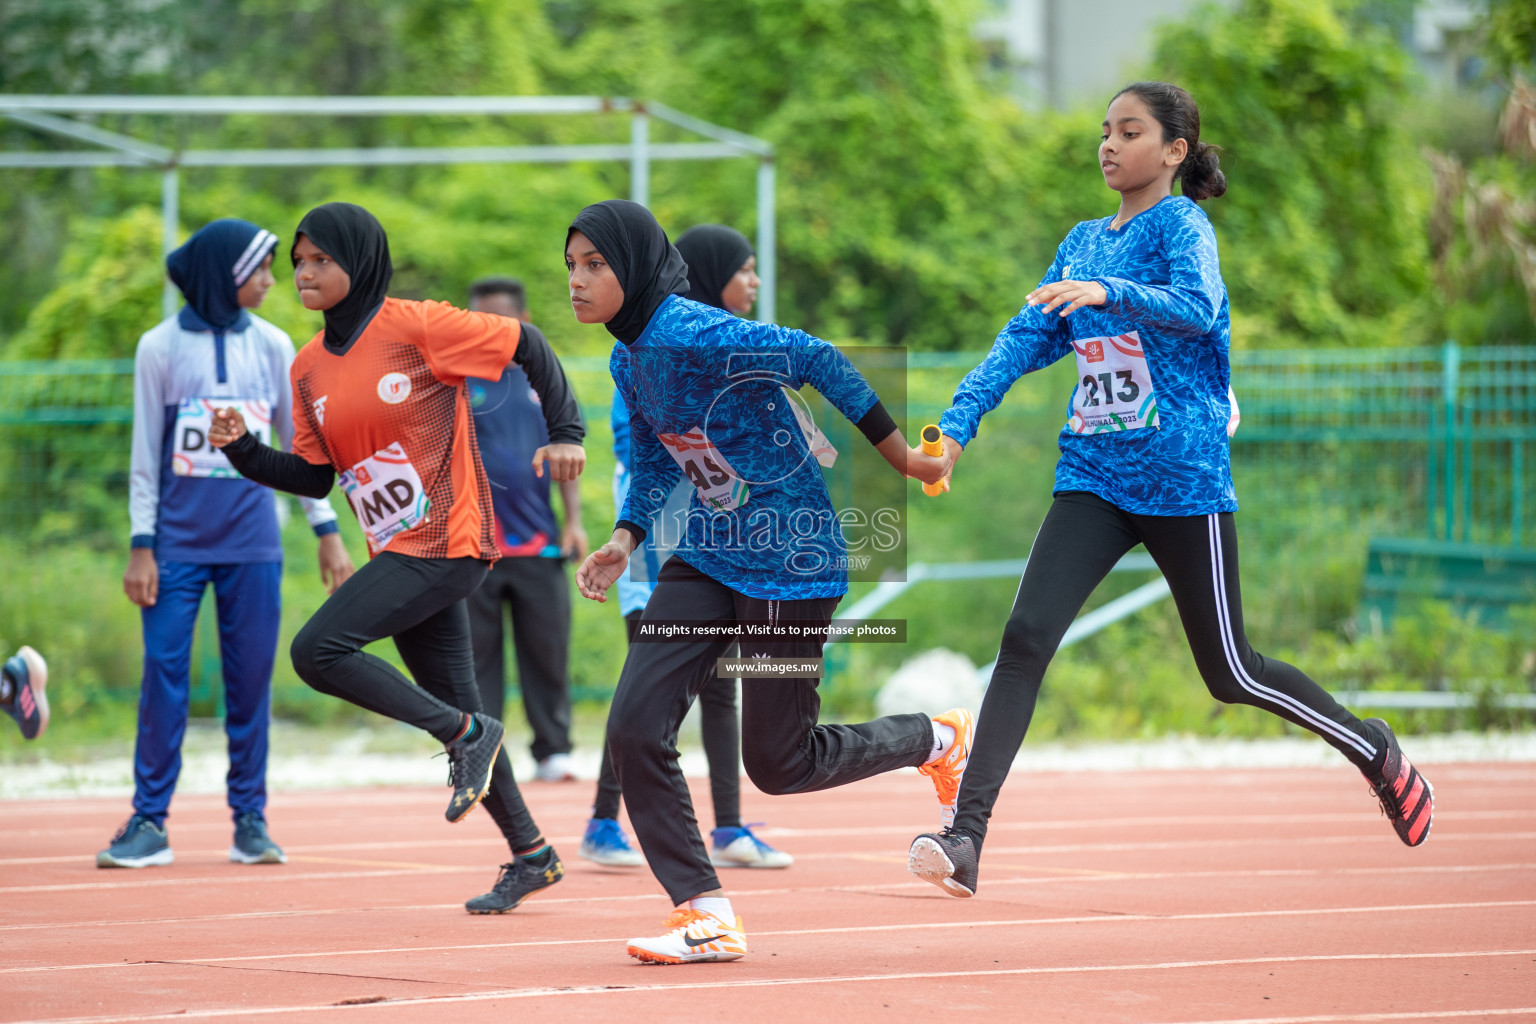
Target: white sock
<point>716,905</point>
<point>943,739</point>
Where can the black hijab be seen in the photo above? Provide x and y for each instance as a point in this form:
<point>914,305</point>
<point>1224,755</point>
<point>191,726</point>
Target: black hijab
<point>355,239</point>
<point>647,266</point>
<point>713,253</point>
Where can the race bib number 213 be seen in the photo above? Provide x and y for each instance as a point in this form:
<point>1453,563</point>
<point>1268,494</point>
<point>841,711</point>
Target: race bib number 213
<point>1114,389</point>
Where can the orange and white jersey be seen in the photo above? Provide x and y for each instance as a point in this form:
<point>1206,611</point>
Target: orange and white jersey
<point>400,388</point>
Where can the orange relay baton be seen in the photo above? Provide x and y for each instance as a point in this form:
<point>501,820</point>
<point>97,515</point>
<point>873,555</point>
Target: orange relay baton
<point>933,446</point>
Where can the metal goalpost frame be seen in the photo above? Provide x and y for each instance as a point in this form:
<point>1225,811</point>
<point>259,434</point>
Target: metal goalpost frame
<point>57,115</point>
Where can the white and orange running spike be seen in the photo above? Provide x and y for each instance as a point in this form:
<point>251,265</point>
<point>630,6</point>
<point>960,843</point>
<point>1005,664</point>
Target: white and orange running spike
<point>692,937</point>
<point>949,769</point>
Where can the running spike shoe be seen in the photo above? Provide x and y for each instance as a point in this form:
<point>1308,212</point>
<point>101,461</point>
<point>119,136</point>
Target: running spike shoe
<point>1407,798</point>
<point>140,843</point>
<point>947,859</point>
<point>692,937</point>
<point>470,763</point>
<point>252,845</point>
<point>948,770</point>
<point>605,842</point>
<point>739,848</point>
<point>28,674</point>
<point>517,881</point>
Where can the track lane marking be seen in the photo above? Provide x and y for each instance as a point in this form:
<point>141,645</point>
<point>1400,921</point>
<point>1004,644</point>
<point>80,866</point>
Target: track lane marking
<point>838,855</point>
<point>1044,825</point>
<point>876,888</point>
<point>585,990</point>
<point>1229,915</point>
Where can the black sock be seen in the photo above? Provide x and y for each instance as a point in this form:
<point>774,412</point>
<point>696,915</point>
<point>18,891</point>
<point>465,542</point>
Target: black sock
<point>539,857</point>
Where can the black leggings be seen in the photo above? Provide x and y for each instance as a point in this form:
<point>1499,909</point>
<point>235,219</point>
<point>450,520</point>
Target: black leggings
<point>420,603</point>
<point>722,750</point>
<point>784,748</point>
<point>1082,538</point>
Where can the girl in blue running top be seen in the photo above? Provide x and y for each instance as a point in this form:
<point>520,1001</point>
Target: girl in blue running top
<point>1138,301</point>
<point>762,546</point>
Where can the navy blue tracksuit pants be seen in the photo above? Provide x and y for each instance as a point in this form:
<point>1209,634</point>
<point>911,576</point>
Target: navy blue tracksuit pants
<point>249,602</point>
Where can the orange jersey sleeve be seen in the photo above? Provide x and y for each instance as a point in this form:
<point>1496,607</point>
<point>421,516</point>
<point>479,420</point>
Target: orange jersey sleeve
<point>459,343</point>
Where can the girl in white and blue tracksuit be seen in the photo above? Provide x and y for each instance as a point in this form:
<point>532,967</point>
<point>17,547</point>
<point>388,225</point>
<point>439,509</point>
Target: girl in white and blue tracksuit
<point>195,521</point>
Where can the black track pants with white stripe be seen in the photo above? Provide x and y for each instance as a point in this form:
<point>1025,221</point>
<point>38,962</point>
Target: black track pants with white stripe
<point>1082,538</point>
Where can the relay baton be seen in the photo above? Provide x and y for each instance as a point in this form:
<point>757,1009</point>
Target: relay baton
<point>934,447</point>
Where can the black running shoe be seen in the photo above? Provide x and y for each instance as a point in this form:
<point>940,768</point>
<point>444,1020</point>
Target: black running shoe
<point>517,882</point>
<point>1407,798</point>
<point>947,859</point>
<point>469,766</point>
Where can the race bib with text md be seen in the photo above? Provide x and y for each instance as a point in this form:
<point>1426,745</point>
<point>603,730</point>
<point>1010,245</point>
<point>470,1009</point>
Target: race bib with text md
<point>386,495</point>
<point>1114,389</point>
<point>192,455</point>
<point>706,469</point>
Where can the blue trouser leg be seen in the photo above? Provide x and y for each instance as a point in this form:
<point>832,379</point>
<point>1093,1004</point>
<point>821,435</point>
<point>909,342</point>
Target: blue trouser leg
<point>249,600</point>
<point>168,626</point>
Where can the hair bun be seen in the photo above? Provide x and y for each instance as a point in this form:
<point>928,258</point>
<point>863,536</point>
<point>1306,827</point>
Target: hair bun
<point>1201,172</point>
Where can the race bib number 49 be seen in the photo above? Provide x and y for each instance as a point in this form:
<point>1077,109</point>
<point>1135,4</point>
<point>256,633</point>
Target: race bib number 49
<point>386,495</point>
<point>192,455</point>
<point>712,477</point>
<point>1114,389</point>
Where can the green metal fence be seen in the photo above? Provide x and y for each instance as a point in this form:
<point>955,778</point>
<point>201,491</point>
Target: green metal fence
<point>1438,440</point>
<point>1433,442</point>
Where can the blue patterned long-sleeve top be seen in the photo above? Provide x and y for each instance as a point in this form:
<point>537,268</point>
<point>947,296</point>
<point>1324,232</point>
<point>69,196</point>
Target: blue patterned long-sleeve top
<point>710,385</point>
<point>1162,279</point>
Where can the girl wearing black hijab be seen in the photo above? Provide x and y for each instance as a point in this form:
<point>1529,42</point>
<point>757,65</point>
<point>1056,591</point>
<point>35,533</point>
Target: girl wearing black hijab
<point>722,268</point>
<point>721,273</point>
<point>762,547</point>
<point>380,399</point>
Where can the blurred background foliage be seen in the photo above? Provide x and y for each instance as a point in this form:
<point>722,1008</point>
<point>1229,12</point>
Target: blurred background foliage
<point>917,201</point>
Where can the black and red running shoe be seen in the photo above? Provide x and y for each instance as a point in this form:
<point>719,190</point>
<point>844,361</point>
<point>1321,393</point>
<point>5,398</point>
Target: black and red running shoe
<point>1406,796</point>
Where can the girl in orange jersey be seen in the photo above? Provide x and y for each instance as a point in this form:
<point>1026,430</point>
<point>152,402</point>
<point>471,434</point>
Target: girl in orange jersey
<point>380,400</point>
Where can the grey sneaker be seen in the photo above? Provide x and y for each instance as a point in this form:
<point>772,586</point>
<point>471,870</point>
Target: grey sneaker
<point>252,845</point>
<point>517,882</point>
<point>469,766</point>
<point>140,843</point>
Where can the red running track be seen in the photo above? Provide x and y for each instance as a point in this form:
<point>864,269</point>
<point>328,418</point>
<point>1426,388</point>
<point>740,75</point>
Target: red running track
<point>1267,896</point>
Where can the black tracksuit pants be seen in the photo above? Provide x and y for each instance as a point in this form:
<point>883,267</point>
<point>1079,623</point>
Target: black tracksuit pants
<point>420,603</point>
<point>1083,536</point>
<point>783,747</point>
<point>539,595</point>
<point>722,750</point>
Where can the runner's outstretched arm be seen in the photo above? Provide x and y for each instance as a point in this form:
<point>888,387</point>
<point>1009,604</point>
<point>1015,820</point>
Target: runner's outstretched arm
<point>264,464</point>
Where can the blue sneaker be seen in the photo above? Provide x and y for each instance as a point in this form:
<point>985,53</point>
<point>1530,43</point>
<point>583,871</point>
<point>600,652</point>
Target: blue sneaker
<point>739,848</point>
<point>252,845</point>
<point>26,678</point>
<point>605,842</point>
<point>140,843</point>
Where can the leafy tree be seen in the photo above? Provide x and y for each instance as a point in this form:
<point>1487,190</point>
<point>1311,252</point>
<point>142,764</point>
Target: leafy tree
<point>1322,228</point>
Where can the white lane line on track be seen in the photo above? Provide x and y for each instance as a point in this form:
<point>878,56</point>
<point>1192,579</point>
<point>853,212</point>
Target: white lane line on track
<point>269,874</point>
<point>266,874</point>
<point>1442,819</point>
<point>535,993</point>
<point>1232,915</point>
<point>877,888</point>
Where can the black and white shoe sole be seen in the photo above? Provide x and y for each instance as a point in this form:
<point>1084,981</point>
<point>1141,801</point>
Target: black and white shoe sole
<point>928,861</point>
